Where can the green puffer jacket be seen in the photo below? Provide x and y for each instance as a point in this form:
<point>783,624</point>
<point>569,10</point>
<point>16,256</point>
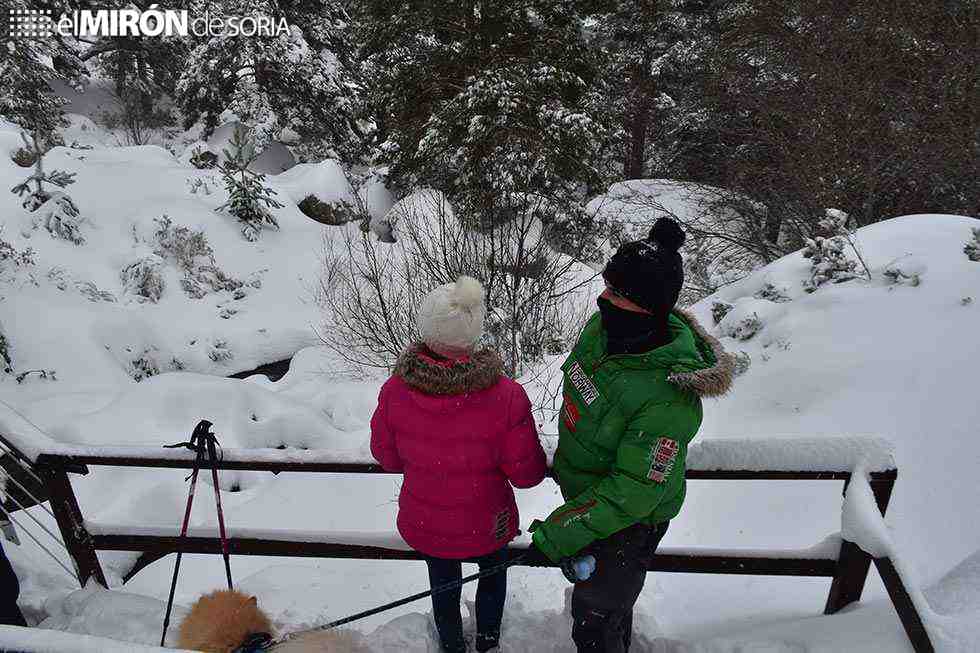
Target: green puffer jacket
<point>625,426</point>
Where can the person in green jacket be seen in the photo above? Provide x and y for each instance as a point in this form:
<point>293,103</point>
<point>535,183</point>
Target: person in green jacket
<point>632,404</point>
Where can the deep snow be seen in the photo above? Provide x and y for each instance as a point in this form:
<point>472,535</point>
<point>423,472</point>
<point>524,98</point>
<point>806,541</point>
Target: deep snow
<point>860,358</point>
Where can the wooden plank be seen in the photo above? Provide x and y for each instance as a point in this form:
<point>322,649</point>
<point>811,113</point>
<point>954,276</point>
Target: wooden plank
<point>77,540</point>
<point>368,468</point>
<point>156,547</point>
<point>909,616</point>
<point>854,564</point>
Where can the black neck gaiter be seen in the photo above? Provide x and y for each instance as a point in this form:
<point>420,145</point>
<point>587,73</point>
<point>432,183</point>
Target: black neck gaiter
<point>629,332</point>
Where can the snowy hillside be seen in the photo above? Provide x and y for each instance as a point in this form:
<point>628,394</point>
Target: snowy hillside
<point>862,357</point>
<point>230,306</point>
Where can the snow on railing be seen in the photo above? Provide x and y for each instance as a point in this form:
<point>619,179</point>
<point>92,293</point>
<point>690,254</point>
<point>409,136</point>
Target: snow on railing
<point>828,454</point>
<point>21,435</point>
<point>840,454</point>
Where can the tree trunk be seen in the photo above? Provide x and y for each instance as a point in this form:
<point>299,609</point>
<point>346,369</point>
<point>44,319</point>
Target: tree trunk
<point>636,145</point>
<point>639,119</point>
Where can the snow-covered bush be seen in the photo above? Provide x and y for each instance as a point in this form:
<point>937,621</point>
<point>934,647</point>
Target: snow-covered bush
<point>190,251</point>
<point>249,199</point>
<point>896,276</point>
<point>371,291</point>
<point>9,255</point>
<point>60,217</point>
<point>719,310</point>
<point>181,244</point>
<point>62,280</point>
<point>742,363</point>
<point>972,248</point>
<point>91,292</point>
<point>208,278</point>
<point>829,261</point>
<point>6,361</point>
<point>144,278</point>
<point>904,271</point>
<point>773,294</point>
<point>220,352</point>
<point>745,328</point>
<point>143,366</point>
<point>204,159</point>
<point>10,260</point>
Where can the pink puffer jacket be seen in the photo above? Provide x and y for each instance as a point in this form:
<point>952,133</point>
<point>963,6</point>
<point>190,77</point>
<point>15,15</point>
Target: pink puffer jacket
<point>462,434</point>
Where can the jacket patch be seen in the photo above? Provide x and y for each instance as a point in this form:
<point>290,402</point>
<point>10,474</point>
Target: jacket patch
<point>501,524</point>
<point>663,454</point>
<point>571,413</point>
<point>583,383</point>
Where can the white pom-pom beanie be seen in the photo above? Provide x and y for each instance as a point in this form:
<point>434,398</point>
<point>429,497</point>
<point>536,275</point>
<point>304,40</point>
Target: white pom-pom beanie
<point>452,317</point>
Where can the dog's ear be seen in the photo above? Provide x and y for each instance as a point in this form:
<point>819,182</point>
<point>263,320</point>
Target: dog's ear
<point>253,601</point>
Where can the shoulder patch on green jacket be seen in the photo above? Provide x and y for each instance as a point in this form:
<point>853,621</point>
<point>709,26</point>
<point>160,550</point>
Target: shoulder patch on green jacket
<point>663,454</point>
<point>583,383</point>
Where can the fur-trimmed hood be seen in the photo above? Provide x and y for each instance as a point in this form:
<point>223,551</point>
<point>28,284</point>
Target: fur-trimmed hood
<point>433,375</point>
<point>714,380</point>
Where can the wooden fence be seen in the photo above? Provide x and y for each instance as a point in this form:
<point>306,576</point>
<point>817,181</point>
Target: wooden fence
<point>847,566</point>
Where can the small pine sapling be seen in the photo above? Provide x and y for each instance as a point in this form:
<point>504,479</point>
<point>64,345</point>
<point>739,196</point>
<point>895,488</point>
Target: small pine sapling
<point>249,199</point>
<point>55,209</point>
<point>829,262</point>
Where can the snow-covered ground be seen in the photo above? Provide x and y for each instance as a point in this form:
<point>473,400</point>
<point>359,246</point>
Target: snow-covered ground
<point>859,358</point>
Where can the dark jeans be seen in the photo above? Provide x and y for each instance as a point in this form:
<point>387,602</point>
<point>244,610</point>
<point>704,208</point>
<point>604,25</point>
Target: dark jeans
<point>10,614</point>
<point>602,607</point>
<point>490,594</point>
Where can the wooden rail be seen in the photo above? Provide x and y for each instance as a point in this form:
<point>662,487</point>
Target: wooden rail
<point>848,570</point>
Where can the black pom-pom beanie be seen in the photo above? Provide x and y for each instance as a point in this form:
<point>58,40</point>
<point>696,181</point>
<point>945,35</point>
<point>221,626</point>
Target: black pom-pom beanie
<point>649,272</point>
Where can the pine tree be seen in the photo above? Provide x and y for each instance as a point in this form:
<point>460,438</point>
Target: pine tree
<point>27,68</point>
<point>55,210</point>
<point>297,86</point>
<point>490,102</point>
<point>249,199</point>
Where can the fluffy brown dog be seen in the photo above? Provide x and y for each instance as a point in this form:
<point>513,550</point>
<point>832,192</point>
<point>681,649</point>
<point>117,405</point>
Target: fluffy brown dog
<point>221,621</point>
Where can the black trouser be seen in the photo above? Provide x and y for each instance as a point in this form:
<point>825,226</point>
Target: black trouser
<point>10,614</point>
<point>490,594</point>
<point>602,607</point>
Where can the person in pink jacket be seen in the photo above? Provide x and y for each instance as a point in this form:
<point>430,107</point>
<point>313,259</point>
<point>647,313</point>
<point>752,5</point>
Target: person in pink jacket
<point>462,433</point>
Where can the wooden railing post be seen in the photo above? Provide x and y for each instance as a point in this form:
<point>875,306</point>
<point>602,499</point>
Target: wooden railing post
<point>64,505</point>
<point>853,564</point>
<point>907,614</point>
